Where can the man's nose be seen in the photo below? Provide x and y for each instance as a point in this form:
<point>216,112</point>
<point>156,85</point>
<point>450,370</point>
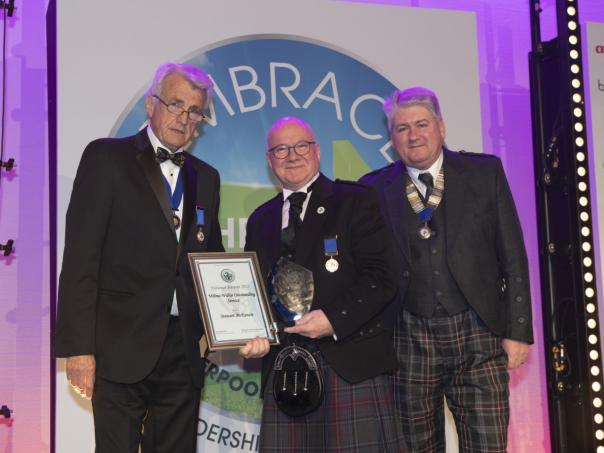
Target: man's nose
<point>183,118</point>
<point>412,135</point>
<point>293,156</point>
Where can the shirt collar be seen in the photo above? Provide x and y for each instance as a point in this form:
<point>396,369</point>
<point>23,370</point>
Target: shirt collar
<point>433,170</point>
<point>288,192</point>
<point>156,143</point>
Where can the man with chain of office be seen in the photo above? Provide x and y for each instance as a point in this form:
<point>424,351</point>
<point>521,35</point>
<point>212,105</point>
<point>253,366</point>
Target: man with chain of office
<point>465,311</point>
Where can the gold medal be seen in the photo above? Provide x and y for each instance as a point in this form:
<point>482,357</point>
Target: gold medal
<point>200,235</point>
<point>425,211</point>
<point>176,221</point>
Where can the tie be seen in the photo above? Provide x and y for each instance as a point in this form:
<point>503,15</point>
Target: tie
<point>288,234</point>
<point>427,179</point>
<point>163,155</point>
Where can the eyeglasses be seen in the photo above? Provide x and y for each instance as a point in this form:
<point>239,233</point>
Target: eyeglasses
<point>282,151</point>
<point>193,115</point>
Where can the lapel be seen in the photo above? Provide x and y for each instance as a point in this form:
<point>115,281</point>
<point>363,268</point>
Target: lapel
<point>312,229</point>
<point>150,167</point>
<point>189,202</point>
<point>271,234</point>
<point>455,195</point>
<point>395,199</point>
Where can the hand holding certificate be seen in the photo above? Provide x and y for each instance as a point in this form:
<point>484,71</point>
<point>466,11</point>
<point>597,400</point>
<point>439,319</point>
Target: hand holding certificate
<point>232,299</point>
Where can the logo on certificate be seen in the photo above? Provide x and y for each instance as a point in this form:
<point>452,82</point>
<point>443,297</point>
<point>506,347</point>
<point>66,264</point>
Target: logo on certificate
<point>227,275</point>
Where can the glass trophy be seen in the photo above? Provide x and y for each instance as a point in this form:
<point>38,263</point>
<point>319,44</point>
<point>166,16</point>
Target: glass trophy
<point>290,291</point>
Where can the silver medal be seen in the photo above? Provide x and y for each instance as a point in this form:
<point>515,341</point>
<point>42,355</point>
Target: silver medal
<point>332,265</point>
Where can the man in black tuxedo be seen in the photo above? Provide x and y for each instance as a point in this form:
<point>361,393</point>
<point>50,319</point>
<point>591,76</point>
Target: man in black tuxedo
<point>128,321</point>
<point>464,287</point>
<point>353,283</point>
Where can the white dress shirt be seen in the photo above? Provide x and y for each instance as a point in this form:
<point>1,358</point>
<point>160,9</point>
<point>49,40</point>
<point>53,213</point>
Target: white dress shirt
<point>433,170</point>
<point>287,193</point>
<point>170,171</point>
<point>285,211</point>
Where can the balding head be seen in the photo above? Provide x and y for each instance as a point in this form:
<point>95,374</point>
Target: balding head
<point>292,153</point>
<point>285,121</point>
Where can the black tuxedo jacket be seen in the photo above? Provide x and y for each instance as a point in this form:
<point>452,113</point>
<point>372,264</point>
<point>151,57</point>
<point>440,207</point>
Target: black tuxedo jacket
<point>122,261</point>
<point>485,249</point>
<point>354,296</point>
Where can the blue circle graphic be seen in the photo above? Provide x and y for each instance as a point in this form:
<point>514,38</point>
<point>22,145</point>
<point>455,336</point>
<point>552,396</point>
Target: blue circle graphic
<point>261,79</point>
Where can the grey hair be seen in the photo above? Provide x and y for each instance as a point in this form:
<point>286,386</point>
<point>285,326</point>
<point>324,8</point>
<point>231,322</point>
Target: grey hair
<point>196,77</point>
<point>410,97</point>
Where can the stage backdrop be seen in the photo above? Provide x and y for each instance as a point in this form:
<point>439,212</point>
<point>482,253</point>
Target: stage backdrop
<point>330,63</point>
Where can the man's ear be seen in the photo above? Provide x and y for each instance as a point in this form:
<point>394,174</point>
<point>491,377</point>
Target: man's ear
<point>149,106</point>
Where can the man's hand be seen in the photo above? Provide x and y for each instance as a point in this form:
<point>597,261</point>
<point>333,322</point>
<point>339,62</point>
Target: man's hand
<point>255,348</point>
<point>517,352</point>
<point>80,374</point>
<point>313,324</point>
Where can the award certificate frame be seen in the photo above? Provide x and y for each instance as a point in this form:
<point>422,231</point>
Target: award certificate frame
<point>232,299</point>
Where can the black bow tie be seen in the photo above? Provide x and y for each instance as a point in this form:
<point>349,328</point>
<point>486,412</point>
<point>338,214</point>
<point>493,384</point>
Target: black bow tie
<point>163,155</point>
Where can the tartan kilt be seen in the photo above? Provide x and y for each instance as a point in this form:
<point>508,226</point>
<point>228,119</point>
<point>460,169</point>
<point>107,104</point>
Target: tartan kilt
<point>353,418</point>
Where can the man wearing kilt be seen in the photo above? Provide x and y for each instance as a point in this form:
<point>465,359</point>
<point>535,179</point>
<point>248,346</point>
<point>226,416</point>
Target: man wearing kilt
<point>464,288</point>
<point>335,232</point>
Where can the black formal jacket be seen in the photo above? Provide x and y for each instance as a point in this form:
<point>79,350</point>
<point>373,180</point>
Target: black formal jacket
<point>122,261</point>
<point>485,249</point>
<point>354,296</point>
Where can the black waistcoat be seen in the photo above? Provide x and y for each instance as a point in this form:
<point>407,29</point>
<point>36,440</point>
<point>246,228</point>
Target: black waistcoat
<point>431,282</point>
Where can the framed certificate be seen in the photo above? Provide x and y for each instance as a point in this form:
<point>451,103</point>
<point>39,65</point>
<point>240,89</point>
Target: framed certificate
<point>232,299</point>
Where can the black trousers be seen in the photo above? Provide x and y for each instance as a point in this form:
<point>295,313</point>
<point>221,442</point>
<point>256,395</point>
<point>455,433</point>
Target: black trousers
<point>160,412</point>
